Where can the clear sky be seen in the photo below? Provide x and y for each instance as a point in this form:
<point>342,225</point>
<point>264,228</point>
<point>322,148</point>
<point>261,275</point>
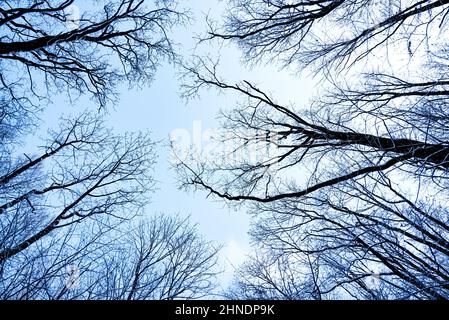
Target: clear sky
<point>160,109</point>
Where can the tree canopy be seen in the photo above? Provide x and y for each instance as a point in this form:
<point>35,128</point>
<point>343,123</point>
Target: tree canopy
<point>72,223</point>
<point>350,190</point>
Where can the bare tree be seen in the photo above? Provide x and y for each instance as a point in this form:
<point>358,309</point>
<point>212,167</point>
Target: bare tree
<point>83,171</point>
<point>326,32</point>
<point>66,228</point>
<point>84,174</point>
<point>272,275</point>
<point>66,213</point>
<point>161,259</point>
<point>355,186</point>
<point>75,48</point>
<point>46,45</point>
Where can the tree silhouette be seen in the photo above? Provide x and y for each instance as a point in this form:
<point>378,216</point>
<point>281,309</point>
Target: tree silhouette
<point>121,41</point>
<point>66,211</point>
<point>355,185</point>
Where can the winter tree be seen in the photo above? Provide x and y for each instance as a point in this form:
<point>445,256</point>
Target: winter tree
<point>347,195</point>
<point>67,208</point>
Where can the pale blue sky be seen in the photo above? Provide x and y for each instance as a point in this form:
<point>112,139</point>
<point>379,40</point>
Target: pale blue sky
<point>158,108</point>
